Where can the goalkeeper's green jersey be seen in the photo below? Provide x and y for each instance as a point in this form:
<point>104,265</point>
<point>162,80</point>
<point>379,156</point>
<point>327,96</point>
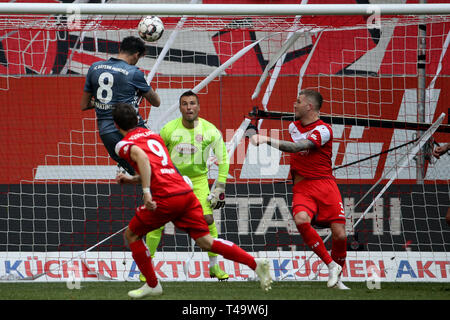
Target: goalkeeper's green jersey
<point>190,149</point>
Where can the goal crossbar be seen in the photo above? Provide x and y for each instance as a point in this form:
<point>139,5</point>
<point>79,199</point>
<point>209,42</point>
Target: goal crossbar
<point>225,9</point>
<point>64,213</point>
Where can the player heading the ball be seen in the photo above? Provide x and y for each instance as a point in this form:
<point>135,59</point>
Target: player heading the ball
<point>113,81</point>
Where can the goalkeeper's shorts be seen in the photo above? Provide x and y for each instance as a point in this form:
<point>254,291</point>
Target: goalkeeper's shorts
<point>320,199</point>
<point>184,211</point>
<point>201,190</point>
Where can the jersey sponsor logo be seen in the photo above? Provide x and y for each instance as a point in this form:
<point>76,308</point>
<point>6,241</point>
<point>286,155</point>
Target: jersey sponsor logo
<point>199,138</point>
<point>186,148</point>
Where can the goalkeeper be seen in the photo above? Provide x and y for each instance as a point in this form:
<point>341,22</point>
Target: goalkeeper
<point>190,140</point>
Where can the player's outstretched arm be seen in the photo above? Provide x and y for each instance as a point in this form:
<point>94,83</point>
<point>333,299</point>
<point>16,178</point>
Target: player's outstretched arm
<point>286,146</point>
<point>440,150</point>
<point>152,97</point>
<point>123,178</point>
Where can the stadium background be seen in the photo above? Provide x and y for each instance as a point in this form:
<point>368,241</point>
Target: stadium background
<point>43,126</point>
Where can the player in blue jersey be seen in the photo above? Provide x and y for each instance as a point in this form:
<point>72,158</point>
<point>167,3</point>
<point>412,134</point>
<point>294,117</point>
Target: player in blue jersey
<point>117,80</point>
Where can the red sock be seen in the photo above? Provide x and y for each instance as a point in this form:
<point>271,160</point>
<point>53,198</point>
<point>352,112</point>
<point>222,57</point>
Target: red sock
<point>232,252</point>
<point>314,241</point>
<point>339,251</point>
<point>141,255</point>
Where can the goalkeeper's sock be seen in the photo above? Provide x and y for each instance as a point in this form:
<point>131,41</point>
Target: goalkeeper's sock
<point>314,241</point>
<point>213,232</point>
<point>212,259</point>
<point>141,255</point>
<point>339,251</point>
<point>152,240</point>
<point>231,251</point>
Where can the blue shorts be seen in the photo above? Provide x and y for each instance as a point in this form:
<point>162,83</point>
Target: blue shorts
<point>109,141</point>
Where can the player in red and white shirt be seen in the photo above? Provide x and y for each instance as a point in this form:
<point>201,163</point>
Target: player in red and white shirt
<point>316,197</point>
<point>167,197</point>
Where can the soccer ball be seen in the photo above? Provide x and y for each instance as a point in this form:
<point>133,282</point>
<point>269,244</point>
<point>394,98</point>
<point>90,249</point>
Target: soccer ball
<point>150,28</point>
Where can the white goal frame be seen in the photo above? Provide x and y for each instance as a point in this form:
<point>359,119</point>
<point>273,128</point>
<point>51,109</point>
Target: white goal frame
<point>214,10</point>
<point>225,9</point>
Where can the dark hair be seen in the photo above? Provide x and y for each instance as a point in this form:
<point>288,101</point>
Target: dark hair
<point>124,116</point>
<point>131,45</point>
<point>189,93</point>
<point>314,97</point>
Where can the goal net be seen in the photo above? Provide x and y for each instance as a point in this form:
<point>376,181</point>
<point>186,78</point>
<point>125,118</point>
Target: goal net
<point>385,88</point>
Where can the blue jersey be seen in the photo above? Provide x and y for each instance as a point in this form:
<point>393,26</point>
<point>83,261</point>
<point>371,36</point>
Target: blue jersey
<point>110,82</point>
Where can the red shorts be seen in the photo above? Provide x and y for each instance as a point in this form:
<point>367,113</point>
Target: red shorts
<point>320,199</point>
<point>184,211</point>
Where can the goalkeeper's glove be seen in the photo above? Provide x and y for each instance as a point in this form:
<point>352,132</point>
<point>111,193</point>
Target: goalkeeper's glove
<point>217,197</point>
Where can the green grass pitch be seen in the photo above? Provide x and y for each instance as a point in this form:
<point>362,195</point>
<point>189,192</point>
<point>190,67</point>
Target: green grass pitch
<point>232,290</point>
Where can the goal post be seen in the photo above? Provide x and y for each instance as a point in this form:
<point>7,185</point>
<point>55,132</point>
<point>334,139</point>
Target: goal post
<point>62,214</point>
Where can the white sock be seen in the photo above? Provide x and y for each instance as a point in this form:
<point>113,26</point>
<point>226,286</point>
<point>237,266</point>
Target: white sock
<point>212,261</point>
<point>332,264</point>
